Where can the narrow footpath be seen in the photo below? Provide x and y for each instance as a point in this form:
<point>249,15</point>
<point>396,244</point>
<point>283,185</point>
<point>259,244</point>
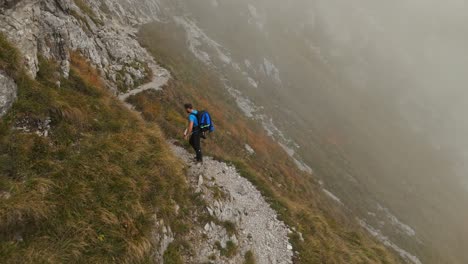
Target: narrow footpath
<point>234,200</point>
<point>242,222</point>
<point>160,78</point>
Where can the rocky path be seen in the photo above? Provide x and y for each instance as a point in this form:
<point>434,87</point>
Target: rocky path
<point>160,78</point>
<point>241,219</point>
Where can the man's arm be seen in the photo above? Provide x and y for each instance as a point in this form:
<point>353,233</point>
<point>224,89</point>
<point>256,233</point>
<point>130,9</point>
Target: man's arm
<point>189,130</point>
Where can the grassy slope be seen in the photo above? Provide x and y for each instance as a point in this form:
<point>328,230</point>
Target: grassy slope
<point>329,237</point>
<point>87,192</point>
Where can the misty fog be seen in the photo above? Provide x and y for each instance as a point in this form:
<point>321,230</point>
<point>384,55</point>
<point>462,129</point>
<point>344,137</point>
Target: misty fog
<point>425,41</point>
<point>372,95</point>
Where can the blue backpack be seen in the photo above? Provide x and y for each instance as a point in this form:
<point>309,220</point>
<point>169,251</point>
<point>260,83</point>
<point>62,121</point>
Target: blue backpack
<point>205,123</point>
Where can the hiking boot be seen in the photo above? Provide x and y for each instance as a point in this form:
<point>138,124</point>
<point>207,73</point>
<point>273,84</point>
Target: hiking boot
<point>195,160</point>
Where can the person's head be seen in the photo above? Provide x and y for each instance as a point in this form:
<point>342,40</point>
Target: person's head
<point>188,108</point>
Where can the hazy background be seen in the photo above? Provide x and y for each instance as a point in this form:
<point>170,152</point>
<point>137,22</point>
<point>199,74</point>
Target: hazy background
<point>370,94</point>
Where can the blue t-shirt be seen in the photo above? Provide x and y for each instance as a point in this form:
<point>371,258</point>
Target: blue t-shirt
<point>193,118</point>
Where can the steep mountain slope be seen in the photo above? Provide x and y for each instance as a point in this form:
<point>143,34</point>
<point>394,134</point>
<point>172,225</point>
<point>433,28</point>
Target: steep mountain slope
<point>326,233</point>
<point>325,80</point>
<point>84,179</point>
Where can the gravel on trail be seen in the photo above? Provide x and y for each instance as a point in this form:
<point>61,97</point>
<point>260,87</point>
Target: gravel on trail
<point>232,199</point>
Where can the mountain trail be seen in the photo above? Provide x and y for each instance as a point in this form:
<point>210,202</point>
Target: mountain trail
<point>160,78</point>
<point>241,219</point>
<point>240,222</point>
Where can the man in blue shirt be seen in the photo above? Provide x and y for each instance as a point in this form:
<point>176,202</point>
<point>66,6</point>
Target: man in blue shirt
<point>193,131</point>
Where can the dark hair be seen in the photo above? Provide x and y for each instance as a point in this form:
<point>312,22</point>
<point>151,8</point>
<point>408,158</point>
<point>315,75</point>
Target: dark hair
<point>188,106</point>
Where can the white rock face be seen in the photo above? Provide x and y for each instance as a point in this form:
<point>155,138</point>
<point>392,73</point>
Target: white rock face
<point>104,32</point>
<point>163,237</point>
<point>7,93</point>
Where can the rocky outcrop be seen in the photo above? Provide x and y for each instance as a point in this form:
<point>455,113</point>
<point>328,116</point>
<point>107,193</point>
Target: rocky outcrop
<point>7,93</point>
<point>54,28</point>
<point>102,31</point>
<point>162,238</point>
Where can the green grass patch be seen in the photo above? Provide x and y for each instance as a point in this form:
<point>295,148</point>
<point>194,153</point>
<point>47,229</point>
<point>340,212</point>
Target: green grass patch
<point>86,9</point>
<point>173,255</point>
<point>230,227</point>
<point>229,251</point>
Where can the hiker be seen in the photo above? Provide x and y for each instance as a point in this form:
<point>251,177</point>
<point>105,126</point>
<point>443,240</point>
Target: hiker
<point>193,131</point>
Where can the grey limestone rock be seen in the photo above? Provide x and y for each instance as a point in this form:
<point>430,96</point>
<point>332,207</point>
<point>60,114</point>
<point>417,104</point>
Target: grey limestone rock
<point>7,93</point>
<point>104,32</point>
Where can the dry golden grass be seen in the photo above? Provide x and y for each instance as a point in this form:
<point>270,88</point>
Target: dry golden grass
<point>88,73</point>
<point>87,193</point>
